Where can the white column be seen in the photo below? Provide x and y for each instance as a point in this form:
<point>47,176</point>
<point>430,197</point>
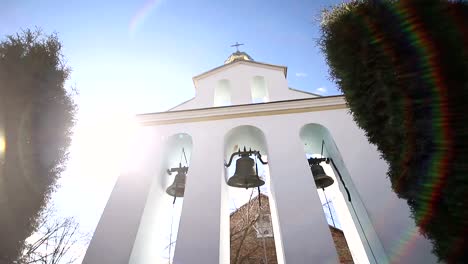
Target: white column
<point>115,234</point>
<point>225,238</point>
<point>305,234</point>
<point>198,237</point>
<point>150,239</point>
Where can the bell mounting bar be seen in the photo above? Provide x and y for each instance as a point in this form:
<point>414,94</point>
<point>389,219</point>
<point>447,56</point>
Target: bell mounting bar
<point>246,152</point>
<point>316,161</point>
<point>179,169</point>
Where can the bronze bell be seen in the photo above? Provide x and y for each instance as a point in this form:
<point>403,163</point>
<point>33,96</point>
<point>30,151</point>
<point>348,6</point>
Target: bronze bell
<point>322,180</point>
<point>177,188</point>
<point>245,175</point>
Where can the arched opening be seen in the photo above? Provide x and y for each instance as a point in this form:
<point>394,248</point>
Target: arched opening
<point>259,90</point>
<point>156,237</point>
<point>342,206</point>
<point>222,94</point>
<point>252,215</point>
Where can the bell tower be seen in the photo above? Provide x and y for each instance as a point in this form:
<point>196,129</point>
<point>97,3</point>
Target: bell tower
<point>241,80</point>
<point>247,129</point>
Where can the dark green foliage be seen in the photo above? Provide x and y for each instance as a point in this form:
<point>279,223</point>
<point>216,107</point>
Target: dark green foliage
<point>36,117</point>
<point>403,68</point>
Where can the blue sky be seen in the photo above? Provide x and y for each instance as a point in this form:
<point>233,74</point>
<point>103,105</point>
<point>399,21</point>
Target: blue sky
<point>145,63</point>
<point>139,56</point>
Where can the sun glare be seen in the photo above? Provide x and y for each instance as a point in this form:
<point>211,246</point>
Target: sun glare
<point>99,146</point>
<point>2,144</point>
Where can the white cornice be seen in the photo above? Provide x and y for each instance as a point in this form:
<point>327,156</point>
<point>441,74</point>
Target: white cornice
<point>248,110</point>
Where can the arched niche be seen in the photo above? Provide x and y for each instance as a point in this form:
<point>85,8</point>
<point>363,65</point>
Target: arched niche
<point>161,212</point>
<point>358,230</point>
<point>222,93</point>
<point>248,136</point>
<point>239,137</point>
<point>259,90</point>
<point>244,206</point>
<point>178,149</point>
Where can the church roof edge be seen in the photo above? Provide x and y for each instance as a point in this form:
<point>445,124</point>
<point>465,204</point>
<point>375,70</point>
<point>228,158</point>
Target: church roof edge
<point>186,101</point>
<point>301,91</point>
<point>204,74</point>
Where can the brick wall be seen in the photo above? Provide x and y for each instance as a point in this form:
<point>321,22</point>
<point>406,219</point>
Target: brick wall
<point>248,246</point>
<point>341,246</point>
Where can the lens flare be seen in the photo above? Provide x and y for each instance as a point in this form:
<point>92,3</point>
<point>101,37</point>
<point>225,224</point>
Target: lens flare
<point>2,144</point>
<point>142,14</point>
<point>420,40</point>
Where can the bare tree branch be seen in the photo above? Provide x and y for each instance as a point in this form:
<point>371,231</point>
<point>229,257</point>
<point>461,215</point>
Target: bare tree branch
<point>242,229</point>
<point>53,242</point>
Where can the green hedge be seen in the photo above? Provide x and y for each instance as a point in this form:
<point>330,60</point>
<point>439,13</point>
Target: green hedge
<point>403,68</point>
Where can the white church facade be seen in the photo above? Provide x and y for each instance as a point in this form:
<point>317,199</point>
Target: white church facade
<point>248,103</point>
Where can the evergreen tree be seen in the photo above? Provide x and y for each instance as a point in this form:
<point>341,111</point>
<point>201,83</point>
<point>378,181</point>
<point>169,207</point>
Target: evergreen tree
<point>36,117</point>
<point>403,68</point>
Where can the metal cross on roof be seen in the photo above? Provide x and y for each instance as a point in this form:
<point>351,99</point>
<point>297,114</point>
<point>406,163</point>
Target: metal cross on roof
<point>237,45</point>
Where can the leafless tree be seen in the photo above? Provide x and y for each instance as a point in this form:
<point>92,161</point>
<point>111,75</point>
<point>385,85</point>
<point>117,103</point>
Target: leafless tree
<point>242,230</point>
<point>243,248</point>
<point>53,242</point>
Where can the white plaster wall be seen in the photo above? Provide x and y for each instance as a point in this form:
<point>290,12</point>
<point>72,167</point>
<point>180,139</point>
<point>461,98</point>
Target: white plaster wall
<point>200,232</point>
<point>240,75</point>
<point>201,228</point>
<point>312,136</point>
<point>157,211</point>
<point>224,236</point>
<point>113,239</point>
<point>302,224</point>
